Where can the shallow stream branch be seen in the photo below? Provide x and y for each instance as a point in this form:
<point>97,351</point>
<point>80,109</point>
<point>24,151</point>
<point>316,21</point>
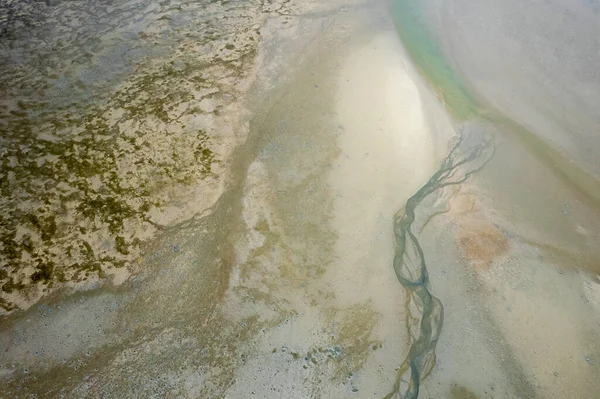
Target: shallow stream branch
<point>468,156</point>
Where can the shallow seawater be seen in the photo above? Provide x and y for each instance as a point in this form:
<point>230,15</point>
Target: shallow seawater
<point>522,320</point>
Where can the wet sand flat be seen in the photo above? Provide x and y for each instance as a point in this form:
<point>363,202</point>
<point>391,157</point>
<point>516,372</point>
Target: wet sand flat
<point>288,277</point>
<point>330,202</point>
<point>513,258</point>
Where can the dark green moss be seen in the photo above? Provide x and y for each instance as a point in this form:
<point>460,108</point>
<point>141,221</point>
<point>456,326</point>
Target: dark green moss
<point>76,166</point>
<point>86,249</point>
<point>203,154</point>
<point>21,114</point>
<point>43,273</point>
<point>48,228</point>
<point>7,306</point>
<point>461,392</point>
<point>59,276</point>
<point>109,210</point>
<point>145,207</point>
<point>121,245</point>
<point>11,249</point>
<point>10,286</point>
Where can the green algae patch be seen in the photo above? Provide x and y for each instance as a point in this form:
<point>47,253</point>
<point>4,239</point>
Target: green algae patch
<point>91,170</point>
<point>461,392</point>
<point>464,104</point>
<point>43,273</point>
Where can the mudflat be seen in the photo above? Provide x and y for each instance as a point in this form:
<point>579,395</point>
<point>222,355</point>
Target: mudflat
<point>289,199</point>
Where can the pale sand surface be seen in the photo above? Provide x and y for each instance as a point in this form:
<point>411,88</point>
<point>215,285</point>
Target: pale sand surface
<point>520,320</point>
<point>285,288</point>
<point>384,151</point>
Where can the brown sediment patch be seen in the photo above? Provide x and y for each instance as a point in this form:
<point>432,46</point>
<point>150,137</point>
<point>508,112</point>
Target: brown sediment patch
<point>463,202</point>
<point>355,337</point>
<point>461,392</point>
<point>480,241</point>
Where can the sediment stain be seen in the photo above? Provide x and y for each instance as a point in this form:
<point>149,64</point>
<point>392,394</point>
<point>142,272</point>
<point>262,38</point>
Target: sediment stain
<point>481,242</point>
<point>461,392</point>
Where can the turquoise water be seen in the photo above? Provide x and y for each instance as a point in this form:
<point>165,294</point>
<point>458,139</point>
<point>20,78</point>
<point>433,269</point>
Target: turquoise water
<point>467,157</point>
<point>430,58</point>
<point>464,104</point>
